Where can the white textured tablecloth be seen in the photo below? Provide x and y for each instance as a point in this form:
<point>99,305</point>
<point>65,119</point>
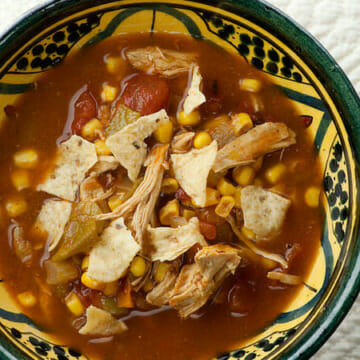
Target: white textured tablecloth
<point>336,23</point>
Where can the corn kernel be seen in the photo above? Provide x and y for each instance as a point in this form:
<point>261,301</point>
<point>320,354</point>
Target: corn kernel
<point>115,64</point>
<point>101,148</point>
<point>111,288</point>
<point>74,304</point>
<point>237,197</point>
<point>91,283</point>
<point>16,207</point>
<point>26,159</point>
<point>243,175</point>
<point>189,119</point>
<point>27,299</point>
<point>312,196</point>
<point>275,173</point>
<point>225,187</point>
<point>241,123</point>
<point>202,139</point>
<point>138,266</point>
<point>251,85</point>
<point>108,93</point>
<point>90,129</point>
<point>225,206</point>
<point>115,201</point>
<point>161,271</point>
<point>85,263</point>
<point>168,211</point>
<point>148,286</point>
<point>20,178</point>
<point>248,233</point>
<point>163,133</point>
<point>169,186</point>
<point>188,214</point>
<point>212,197</point>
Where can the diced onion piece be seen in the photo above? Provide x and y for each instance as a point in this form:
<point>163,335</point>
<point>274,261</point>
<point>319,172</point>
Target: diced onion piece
<point>60,272</point>
<point>284,278</point>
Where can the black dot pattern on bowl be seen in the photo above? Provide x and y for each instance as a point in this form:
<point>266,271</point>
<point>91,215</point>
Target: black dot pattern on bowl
<point>256,50</point>
<point>51,50</point>
<point>336,190</point>
<point>262,347</point>
<point>43,348</point>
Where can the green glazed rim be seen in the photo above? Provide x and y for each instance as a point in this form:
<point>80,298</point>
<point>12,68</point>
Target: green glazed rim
<point>329,74</point>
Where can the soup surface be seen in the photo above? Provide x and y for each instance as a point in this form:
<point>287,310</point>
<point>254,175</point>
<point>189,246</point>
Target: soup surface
<point>160,200</point>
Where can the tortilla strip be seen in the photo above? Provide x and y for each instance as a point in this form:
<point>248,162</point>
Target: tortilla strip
<point>74,158</point>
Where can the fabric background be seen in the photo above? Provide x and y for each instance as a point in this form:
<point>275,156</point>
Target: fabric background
<point>335,23</point>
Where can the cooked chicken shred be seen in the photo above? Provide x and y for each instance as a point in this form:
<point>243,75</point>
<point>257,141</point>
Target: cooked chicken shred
<point>155,163</point>
<point>259,141</point>
<point>198,281</point>
<point>154,60</point>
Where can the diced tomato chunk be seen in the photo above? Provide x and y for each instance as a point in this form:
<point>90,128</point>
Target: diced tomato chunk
<point>85,110</point>
<point>77,125</point>
<point>208,230</point>
<point>85,106</point>
<point>144,93</point>
<point>212,106</point>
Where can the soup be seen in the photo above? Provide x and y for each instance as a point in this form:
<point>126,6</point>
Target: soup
<point>160,200</point>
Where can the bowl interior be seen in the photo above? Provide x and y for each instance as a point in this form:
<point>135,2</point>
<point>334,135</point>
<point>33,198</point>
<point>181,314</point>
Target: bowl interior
<point>271,43</point>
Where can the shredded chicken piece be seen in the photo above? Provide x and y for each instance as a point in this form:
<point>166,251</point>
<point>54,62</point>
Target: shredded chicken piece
<point>258,141</point>
<point>182,143</point>
<point>144,210</point>
<point>154,163</point>
<point>154,60</point>
<point>160,294</point>
<point>267,255</point>
<point>198,281</point>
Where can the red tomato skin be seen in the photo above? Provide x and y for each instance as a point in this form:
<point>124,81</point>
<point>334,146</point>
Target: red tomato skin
<point>85,109</point>
<point>85,106</point>
<point>208,230</point>
<point>145,93</point>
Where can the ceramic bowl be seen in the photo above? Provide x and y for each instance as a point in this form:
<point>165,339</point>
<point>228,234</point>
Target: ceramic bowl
<point>297,63</point>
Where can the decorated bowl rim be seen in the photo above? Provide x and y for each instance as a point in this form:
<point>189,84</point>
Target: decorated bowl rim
<point>324,67</point>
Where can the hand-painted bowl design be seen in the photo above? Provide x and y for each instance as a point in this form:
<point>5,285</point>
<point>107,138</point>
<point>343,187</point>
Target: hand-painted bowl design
<point>297,64</point>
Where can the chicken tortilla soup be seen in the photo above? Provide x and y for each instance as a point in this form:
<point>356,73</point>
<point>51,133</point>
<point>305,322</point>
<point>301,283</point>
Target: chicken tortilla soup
<point>160,200</point>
